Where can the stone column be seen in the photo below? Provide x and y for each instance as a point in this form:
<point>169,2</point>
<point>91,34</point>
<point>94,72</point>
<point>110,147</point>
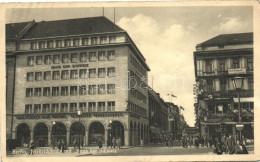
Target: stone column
<point>32,134</point>
<point>13,134</point>
<point>86,138</point>
<point>68,137</point>
<point>49,138</point>
<point>234,132</point>
<point>106,135</point>
<point>127,135</point>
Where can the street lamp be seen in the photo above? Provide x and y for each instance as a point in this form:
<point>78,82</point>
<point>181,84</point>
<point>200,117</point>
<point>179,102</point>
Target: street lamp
<point>79,112</point>
<point>238,84</point>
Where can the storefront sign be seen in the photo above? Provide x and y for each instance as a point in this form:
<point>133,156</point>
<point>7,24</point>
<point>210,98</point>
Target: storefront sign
<point>69,66</point>
<point>237,71</point>
<point>40,116</point>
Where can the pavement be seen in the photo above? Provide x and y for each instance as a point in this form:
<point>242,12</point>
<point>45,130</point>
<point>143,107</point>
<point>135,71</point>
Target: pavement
<point>130,151</point>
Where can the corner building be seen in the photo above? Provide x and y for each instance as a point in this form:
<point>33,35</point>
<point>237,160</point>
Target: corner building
<point>65,65</point>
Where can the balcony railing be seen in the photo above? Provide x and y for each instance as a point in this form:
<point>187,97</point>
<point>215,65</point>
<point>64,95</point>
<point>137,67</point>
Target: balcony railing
<point>228,93</point>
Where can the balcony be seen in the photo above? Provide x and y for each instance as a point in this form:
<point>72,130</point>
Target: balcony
<point>228,93</point>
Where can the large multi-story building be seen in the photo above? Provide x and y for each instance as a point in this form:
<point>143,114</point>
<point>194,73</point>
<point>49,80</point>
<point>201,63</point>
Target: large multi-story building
<point>55,68</point>
<point>174,121</point>
<point>158,117</point>
<point>217,61</point>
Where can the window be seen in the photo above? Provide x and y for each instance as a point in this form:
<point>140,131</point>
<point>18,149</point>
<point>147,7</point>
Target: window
<point>250,65</point>
<point>208,66</point>
<point>112,39</point>
<point>58,44</point>
<point>50,44</point>
<point>73,90</point>
<point>39,60</point>
<point>82,90</point>
<point>101,106</point>
<point>75,42</point>
<point>64,91</point>
<point>73,107</point>
<point>74,57</point>
<point>101,72</point>
<point>67,42</point>
<point>47,75</point>
<point>56,75</point>
<point>47,59</point>
<point>30,76</point>
<point>93,40</point>
<point>92,56</point>
<point>111,106</point>
<point>55,91</point>
<point>38,76</point>
<point>46,91</point>
<point>65,74</point>
<point>223,84</point>
<point>83,57</point>
<point>103,40</point>
<point>111,72</point>
<point>33,45</point>
<point>29,92</point>
<point>221,46</point>
<point>56,59</point>
<point>37,109</point>
<point>101,56</point>
<point>41,45</point>
<point>45,108</point>
<point>101,89</point>
<point>83,106</point>
<point>83,73</point>
<point>55,108</point>
<point>210,85</point>
<point>92,73</point>
<point>28,109</point>
<point>92,90</point>
<point>92,106</point>
<point>222,66</point>
<point>235,62</point>
<point>111,88</point>
<point>37,92</point>
<point>30,60</point>
<point>74,74</point>
<point>251,83</point>
<point>64,107</point>
<point>84,41</point>
<point>65,58</point>
<point>111,55</point>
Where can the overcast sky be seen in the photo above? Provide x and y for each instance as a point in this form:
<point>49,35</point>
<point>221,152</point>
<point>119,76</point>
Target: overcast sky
<point>166,36</point>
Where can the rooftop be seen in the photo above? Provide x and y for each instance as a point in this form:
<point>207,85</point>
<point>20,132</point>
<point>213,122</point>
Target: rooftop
<point>228,39</point>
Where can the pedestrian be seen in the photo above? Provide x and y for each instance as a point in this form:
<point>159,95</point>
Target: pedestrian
<point>108,142</point>
<point>210,142</point>
<point>218,148</point>
<point>75,143</point>
<point>114,142</point>
<point>100,143</point>
<point>240,148</point>
<point>190,141</point>
<point>119,142</point>
<point>142,143</point>
<point>32,147</point>
<point>224,143</point>
<point>62,145</point>
<point>230,144</point>
<point>197,142</point>
<point>206,142</point>
<point>202,141</point>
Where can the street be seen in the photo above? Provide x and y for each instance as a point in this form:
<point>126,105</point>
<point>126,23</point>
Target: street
<point>134,151</point>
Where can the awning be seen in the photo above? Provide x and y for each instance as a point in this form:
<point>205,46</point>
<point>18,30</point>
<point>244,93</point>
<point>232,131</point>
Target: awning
<point>247,99</point>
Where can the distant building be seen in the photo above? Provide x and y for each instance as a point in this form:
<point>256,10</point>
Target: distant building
<point>158,117</point>
<point>217,61</point>
<point>174,120</point>
<point>48,63</point>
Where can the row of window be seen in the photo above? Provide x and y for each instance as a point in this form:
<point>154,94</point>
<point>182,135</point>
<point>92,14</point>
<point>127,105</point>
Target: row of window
<point>222,65</point>
<point>138,95</point>
<point>70,107</point>
<point>71,58</point>
<point>71,74</point>
<point>70,90</point>
<point>137,65</point>
<point>137,109</point>
<point>75,42</point>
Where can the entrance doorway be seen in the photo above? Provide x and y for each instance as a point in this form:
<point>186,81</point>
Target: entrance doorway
<point>23,134</point>
<point>117,131</point>
<point>96,132</point>
<point>59,133</point>
<point>41,135</point>
<point>77,129</point>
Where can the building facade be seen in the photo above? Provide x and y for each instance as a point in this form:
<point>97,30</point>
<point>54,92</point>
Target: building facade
<point>158,117</point>
<point>55,68</point>
<point>217,61</point>
<point>174,121</point>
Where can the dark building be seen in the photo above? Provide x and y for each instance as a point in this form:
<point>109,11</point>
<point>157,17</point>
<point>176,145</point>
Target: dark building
<point>217,62</point>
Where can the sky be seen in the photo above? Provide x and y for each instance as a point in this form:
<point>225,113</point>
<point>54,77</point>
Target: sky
<point>166,36</point>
